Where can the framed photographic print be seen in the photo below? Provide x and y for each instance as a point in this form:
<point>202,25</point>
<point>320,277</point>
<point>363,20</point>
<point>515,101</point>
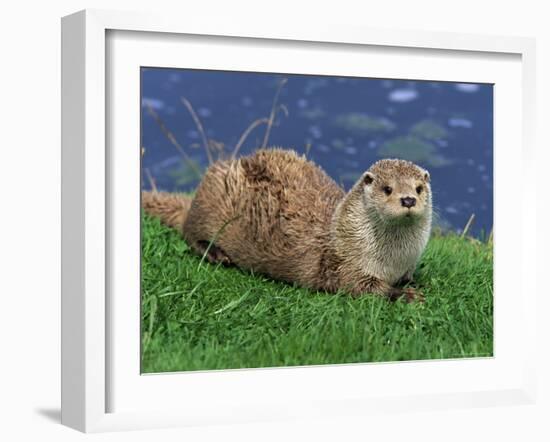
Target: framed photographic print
<point>263,223</point>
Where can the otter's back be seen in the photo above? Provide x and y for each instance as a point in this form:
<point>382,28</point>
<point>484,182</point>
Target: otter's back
<point>269,212</point>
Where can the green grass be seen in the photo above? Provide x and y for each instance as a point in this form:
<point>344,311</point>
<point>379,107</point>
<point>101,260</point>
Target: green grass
<point>198,316</point>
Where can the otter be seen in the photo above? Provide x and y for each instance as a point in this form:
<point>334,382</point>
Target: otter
<point>275,212</point>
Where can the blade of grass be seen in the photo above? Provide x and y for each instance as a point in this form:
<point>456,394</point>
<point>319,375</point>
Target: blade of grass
<point>234,303</point>
<point>213,240</point>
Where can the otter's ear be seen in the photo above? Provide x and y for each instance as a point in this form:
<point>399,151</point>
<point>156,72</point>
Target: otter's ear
<point>368,178</point>
<point>426,176</point>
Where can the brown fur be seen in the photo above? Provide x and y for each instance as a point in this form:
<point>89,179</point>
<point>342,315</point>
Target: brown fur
<point>169,207</point>
<point>278,214</point>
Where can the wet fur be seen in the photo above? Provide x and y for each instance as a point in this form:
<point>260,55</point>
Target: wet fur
<point>277,213</point>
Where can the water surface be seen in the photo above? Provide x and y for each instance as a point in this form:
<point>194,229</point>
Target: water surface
<point>344,125</point>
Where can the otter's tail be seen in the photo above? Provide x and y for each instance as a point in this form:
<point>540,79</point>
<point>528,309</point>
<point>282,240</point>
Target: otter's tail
<point>171,208</point>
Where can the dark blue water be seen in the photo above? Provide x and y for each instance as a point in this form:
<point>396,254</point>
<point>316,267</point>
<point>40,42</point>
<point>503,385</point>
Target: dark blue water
<point>344,124</point>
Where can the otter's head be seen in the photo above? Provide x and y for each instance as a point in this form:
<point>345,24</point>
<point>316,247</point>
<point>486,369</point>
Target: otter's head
<point>398,190</point>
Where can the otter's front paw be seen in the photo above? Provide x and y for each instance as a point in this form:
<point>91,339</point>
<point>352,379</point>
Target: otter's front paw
<point>413,295</point>
<point>408,294</point>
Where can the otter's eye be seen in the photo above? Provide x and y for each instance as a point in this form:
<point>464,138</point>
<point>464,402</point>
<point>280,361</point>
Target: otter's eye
<point>419,189</point>
<point>387,190</point>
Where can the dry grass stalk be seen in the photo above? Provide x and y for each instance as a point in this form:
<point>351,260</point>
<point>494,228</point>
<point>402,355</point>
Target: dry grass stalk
<point>283,108</point>
<point>218,148</point>
<point>274,110</point>
<point>246,133</point>
<point>211,145</point>
<point>468,225</point>
<point>490,239</point>
<point>200,128</point>
<point>171,137</point>
<point>151,180</point>
<point>308,148</point>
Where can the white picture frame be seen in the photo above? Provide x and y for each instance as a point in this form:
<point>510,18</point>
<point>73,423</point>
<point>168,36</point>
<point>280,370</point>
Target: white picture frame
<point>88,232</point>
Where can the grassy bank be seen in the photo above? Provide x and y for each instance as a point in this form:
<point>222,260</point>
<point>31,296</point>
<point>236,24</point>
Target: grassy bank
<point>197,316</point>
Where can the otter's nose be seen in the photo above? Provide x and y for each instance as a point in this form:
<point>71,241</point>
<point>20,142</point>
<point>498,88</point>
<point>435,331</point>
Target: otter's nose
<point>408,202</point>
